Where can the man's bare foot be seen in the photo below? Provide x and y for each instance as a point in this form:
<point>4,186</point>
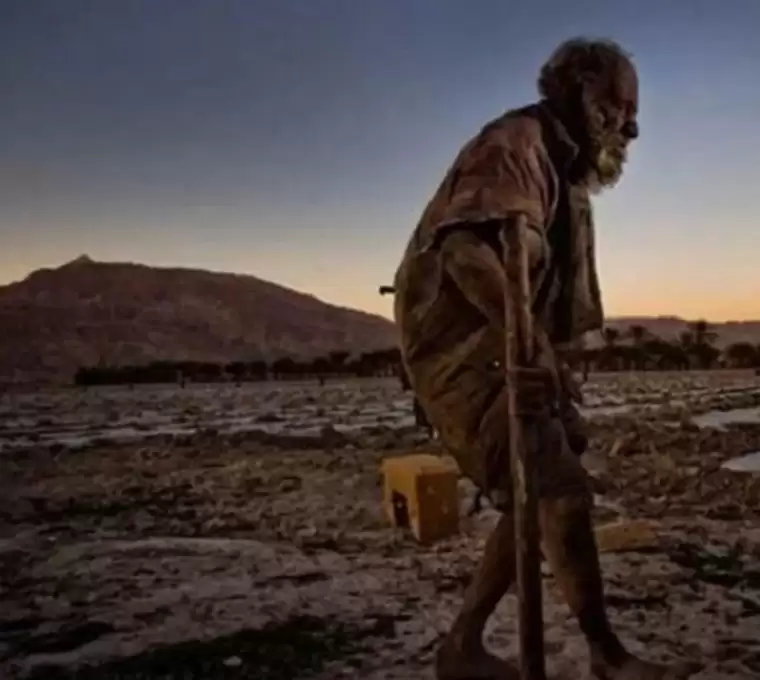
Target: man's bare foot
<point>636,669</point>
<point>455,662</point>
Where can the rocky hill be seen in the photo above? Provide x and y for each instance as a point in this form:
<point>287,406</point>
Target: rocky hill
<point>85,312</point>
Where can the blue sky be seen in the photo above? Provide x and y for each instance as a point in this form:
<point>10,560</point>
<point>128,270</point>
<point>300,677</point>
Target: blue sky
<point>300,140</point>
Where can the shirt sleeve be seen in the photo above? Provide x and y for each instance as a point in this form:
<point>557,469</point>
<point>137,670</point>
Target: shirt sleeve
<point>493,180</point>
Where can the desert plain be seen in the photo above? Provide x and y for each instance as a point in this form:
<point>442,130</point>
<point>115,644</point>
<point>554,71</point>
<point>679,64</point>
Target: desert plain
<point>218,531</point>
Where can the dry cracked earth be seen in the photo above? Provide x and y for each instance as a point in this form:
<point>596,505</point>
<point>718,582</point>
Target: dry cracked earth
<point>222,532</point>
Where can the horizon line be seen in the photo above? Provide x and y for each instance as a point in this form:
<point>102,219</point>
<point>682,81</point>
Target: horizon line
<point>85,258</point>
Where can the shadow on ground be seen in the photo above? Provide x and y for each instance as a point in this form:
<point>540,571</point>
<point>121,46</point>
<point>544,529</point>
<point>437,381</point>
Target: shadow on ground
<point>297,648</point>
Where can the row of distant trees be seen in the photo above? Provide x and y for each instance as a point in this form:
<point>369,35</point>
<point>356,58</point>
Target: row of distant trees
<point>638,349</point>
<point>336,364</point>
<point>632,349</point>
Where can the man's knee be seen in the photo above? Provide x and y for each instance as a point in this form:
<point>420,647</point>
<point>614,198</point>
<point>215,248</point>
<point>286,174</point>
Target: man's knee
<point>559,473</point>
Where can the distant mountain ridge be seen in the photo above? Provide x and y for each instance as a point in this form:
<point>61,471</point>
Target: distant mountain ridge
<point>85,312</point>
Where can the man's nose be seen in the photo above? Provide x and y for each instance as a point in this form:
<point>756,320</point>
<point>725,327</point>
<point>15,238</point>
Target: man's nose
<point>631,129</point>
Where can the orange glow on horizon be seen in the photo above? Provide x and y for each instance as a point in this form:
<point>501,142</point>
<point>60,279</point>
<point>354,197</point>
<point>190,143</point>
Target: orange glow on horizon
<point>651,300</point>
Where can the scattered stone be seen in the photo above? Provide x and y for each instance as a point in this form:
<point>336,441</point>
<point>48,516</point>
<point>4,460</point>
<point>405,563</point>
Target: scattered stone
<point>209,549</point>
<point>626,535</point>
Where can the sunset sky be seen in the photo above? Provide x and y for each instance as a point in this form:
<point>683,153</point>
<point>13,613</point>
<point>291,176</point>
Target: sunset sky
<point>299,140</point>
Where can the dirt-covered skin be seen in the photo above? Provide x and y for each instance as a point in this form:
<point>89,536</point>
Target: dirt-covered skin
<point>222,555</point>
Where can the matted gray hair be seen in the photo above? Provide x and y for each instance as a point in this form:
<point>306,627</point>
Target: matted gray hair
<point>578,61</point>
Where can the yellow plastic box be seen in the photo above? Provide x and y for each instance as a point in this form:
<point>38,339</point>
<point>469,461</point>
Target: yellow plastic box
<point>420,492</point>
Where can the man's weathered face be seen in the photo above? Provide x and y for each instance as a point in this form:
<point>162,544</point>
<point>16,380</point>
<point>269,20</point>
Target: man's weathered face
<point>610,114</point>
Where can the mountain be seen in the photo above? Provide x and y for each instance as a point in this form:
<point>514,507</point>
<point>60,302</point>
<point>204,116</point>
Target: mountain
<point>85,312</point>
<point>121,313</point>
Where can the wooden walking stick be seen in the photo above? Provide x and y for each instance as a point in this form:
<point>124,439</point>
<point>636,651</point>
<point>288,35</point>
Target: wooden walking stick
<point>518,362</point>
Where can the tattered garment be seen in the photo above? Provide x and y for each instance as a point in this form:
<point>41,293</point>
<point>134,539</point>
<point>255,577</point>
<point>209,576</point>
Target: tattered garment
<point>449,286</point>
<point>518,163</point>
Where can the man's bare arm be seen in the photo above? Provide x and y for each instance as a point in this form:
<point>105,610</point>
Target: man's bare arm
<point>473,258</point>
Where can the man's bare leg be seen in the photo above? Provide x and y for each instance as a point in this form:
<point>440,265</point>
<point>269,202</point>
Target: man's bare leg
<point>570,547</point>
<point>462,655</point>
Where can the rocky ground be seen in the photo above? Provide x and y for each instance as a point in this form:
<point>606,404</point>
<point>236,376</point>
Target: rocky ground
<point>231,533</point>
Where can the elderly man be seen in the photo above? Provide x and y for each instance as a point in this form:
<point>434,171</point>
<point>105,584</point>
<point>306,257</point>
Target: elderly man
<point>532,168</point>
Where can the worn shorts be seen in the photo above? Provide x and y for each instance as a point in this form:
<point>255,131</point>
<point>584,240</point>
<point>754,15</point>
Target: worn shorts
<point>472,423</point>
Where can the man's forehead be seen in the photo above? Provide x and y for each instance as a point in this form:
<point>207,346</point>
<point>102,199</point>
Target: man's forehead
<point>626,82</point>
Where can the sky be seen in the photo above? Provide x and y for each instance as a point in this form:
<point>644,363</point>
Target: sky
<point>299,140</point>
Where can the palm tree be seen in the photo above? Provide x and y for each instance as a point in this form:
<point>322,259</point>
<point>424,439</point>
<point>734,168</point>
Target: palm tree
<point>337,360</point>
<point>702,333</point>
<point>257,369</point>
<point>237,370</point>
<point>283,368</point>
<point>637,333</point>
<point>611,336</point>
<point>703,349</point>
<point>741,355</point>
<point>320,367</point>
<point>686,346</point>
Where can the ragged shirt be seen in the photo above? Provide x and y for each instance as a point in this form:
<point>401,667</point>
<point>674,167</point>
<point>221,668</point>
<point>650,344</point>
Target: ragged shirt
<point>517,164</point>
